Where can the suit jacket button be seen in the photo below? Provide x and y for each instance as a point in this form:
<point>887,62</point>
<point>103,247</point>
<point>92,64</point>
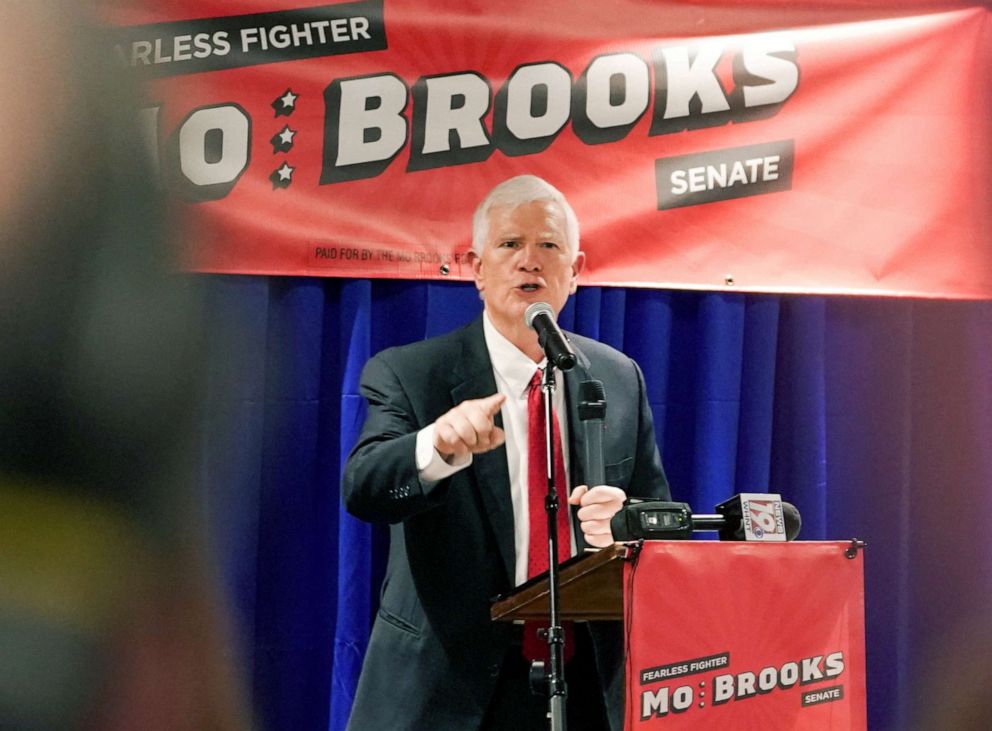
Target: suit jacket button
<point>494,670</point>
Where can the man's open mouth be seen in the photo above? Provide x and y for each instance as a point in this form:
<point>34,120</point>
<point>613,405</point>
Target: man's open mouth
<point>530,287</point>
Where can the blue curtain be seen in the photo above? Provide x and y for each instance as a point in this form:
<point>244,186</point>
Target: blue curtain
<point>873,416</point>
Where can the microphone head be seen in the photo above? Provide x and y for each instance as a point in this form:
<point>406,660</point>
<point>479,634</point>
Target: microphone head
<point>592,400</point>
<point>592,391</point>
<point>793,521</point>
<point>536,309</point>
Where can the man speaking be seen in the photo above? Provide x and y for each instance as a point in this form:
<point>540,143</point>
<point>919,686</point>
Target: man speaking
<point>453,454</point>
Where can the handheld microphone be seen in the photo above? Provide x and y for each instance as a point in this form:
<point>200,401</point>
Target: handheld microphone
<point>592,411</point>
<point>744,517</point>
<point>541,318</point>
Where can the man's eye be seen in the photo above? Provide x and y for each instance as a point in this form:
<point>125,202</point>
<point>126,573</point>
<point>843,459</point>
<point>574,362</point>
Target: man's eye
<point>508,244</point>
<point>549,245</point>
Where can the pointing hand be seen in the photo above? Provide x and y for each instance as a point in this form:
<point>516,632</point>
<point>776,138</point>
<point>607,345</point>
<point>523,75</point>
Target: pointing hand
<point>469,427</point>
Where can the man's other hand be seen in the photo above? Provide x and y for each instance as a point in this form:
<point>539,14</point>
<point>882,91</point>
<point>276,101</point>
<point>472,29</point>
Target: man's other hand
<point>598,505</point>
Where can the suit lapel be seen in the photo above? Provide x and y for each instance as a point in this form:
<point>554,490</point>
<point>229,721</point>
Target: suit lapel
<point>473,379</point>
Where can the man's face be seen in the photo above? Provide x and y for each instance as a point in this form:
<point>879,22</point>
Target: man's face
<point>525,259</point>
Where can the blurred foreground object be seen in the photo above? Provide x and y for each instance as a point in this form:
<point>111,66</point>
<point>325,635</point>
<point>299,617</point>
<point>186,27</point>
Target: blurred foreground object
<point>108,615</point>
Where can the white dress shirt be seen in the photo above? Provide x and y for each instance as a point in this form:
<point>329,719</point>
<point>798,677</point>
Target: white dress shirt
<point>513,372</point>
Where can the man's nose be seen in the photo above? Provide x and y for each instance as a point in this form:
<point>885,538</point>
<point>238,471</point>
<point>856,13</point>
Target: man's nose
<point>529,259</point>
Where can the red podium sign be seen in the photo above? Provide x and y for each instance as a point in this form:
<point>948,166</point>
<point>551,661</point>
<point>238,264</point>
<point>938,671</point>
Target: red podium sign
<point>745,636</point>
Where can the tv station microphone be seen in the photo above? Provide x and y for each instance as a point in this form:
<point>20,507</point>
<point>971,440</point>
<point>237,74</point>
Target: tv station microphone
<point>592,411</point>
<point>754,516</point>
<point>541,318</point>
<point>744,517</point>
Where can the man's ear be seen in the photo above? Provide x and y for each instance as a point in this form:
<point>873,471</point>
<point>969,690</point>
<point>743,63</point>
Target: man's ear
<point>578,265</point>
<point>475,261</point>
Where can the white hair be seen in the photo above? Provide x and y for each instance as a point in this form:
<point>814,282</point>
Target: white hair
<point>516,192</point>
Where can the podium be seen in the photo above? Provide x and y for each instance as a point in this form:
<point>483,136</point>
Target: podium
<point>590,587</point>
<point>724,634</point>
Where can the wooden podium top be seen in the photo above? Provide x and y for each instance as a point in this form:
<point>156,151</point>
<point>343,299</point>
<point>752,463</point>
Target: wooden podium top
<point>590,588</point>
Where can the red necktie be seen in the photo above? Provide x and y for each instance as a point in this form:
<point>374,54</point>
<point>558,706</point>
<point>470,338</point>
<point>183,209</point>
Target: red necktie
<point>536,648</point>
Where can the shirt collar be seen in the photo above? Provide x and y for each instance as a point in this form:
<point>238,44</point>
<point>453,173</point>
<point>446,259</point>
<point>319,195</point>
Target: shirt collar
<point>509,362</point>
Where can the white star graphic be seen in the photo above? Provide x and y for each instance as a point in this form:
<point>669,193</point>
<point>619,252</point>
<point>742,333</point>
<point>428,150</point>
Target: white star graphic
<point>289,99</point>
<point>285,172</point>
<point>286,135</point>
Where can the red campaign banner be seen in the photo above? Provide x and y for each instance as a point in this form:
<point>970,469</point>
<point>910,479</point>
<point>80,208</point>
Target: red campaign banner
<point>745,636</point>
<point>765,146</point>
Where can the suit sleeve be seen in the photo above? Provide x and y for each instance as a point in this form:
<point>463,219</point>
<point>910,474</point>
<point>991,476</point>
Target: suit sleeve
<point>381,481</point>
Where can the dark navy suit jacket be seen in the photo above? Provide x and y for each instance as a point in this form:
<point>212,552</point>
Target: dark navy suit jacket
<point>434,655</point>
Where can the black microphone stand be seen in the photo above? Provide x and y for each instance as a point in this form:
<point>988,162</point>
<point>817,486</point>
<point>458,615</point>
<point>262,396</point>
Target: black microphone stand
<point>557,690</point>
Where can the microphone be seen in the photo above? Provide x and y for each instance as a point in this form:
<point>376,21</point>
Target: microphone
<point>592,411</point>
<point>541,318</point>
<point>744,517</point>
<point>754,516</point>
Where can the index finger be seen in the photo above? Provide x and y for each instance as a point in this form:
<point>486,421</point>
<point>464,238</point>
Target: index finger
<point>491,404</point>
